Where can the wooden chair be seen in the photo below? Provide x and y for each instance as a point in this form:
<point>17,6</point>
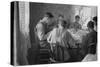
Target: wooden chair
<point>44,51</point>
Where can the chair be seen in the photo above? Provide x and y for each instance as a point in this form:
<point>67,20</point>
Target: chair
<point>44,51</point>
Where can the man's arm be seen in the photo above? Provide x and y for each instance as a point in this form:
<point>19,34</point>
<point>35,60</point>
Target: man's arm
<point>41,33</point>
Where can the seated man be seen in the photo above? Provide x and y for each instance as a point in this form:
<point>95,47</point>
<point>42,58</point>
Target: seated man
<point>90,43</point>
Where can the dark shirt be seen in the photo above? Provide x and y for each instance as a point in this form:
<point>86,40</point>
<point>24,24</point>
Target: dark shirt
<point>90,42</point>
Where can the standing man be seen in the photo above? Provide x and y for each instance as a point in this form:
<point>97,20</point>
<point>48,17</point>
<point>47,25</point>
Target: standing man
<point>76,24</point>
<point>42,31</point>
<point>44,26</point>
<point>62,46</point>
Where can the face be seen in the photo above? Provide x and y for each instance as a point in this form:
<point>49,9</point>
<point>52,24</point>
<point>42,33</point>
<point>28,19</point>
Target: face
<point>44,18</point>
<point>60,18</point>
<point>88,29</point>
<point>60,22</point>
<point>77,19</point>
<point>48,20</point>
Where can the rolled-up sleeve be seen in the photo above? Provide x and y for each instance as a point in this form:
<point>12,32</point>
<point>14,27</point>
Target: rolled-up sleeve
<point>40,31</point>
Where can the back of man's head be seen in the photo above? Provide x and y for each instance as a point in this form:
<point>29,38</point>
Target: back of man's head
<point>90,24</point>
<point>77,16</point>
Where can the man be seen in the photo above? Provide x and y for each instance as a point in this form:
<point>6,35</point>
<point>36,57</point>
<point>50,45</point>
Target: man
<point>42,31</point>
<point>63,54</point>
<point>90,43</point>
<point>43,26</point>
<point>58,41</point>
<point>76,24</point>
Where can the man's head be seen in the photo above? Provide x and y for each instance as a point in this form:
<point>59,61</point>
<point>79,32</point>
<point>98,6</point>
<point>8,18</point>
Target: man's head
<point>77,18</point>
<point>90,25</point>
<point>48,17</point>
<point>60,17</point>
<point>48,14</point>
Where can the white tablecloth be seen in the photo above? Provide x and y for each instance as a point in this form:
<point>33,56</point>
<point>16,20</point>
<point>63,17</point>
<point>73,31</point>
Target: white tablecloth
<point>77,35</point>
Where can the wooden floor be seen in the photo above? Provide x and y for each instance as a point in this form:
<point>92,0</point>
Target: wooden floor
<point>35,57</point>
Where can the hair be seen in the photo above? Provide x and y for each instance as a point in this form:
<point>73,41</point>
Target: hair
<point>90,24</point>
<point>64,23</point>
<point>77,16</point>
<point>95,19</point>
<point>50,15</point>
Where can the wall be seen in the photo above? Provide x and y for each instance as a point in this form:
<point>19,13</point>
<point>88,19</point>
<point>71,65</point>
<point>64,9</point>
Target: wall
<point>37,11</point>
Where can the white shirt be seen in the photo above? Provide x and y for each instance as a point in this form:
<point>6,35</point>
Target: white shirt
<point>40,29</point>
